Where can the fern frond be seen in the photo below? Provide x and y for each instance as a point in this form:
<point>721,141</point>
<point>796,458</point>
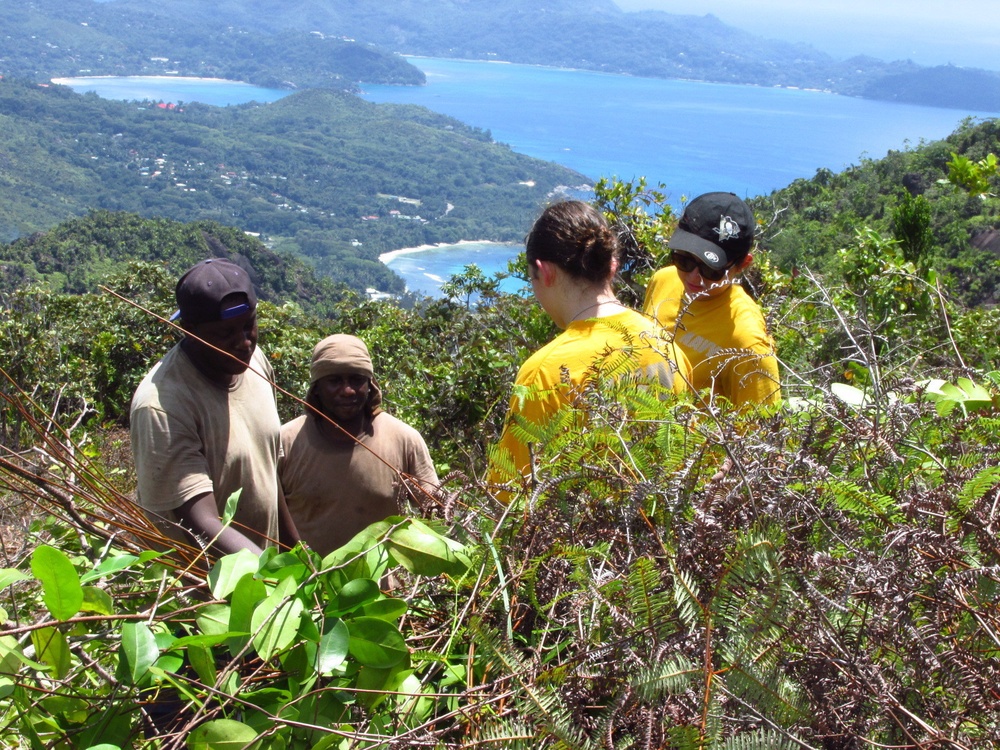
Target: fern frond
<point>864,505</point>
<point>671,677</point>
<point>685,738</point>
<point>648,599</point>
<point>766,688</point>
<point>508,734</point>
<point>686,598</point>
<point>978,486</point>
<point>762,739</point>
<point>540,706</point>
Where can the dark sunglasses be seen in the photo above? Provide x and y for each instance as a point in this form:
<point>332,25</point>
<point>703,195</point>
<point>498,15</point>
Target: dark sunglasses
<point>688,263</point>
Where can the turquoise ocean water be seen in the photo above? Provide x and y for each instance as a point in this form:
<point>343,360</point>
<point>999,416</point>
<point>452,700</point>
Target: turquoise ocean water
<point>693,137</point>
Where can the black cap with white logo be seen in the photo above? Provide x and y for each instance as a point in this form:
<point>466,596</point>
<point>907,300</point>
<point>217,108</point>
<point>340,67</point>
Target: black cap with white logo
<point>717,228</point>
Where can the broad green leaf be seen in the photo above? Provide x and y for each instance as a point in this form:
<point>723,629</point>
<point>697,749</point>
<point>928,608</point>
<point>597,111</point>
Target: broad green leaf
<point>299,661</point>
<point>104,746</point>
<point>364,556</point>
<point>384,681</point>
<point>6,687</point>
<point>281,560</point>
<point>275,625</point>
<point>205,640</point>
<point>11,575</point>
<point>164,639</point>
<point>61,590</point>
<point>12,657</point>
<point>385,609</point>
<point>213,619</point>
<point>228,571</point>
<point>232,503</point>
<point>963,394</point>
<point>138,650</point>
<point>356,593</point>
<point>332,741</point>
<point>415,707</point>
<point>222,734</point>
<point>97,600</point>
<point>376,643</point>
<point>167,662</point>
<point>249,592</point>
<point>72,710</point>
<point>108,567</point>
<point>203,661</point>
<point>423,551</point>
<point>973,391</point>
<point>52,649</point>
<point>333,648</point>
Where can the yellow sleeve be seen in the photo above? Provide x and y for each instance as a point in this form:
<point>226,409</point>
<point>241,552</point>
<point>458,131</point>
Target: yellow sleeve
<point>752,377</point>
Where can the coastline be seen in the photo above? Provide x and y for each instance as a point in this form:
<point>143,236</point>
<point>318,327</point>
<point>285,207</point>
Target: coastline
<point>384,258</point>
<point>70,81</point>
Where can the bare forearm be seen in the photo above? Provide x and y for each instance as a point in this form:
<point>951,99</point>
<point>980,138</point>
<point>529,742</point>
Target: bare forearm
<point>201,516</point>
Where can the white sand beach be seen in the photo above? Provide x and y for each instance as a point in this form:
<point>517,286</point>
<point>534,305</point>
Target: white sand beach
<point>386,257</point>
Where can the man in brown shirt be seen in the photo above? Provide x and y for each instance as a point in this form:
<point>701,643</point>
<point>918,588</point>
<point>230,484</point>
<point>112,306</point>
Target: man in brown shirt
<point>351,464</point>
<point>204,422</point>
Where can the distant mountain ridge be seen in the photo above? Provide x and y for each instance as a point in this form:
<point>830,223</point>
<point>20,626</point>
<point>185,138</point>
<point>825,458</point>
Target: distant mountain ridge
<point>58,38</point>
<point>594,35</point>
<point>315,43</point>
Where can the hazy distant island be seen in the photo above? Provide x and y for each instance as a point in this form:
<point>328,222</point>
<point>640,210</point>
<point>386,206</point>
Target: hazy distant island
<point>317,43</point>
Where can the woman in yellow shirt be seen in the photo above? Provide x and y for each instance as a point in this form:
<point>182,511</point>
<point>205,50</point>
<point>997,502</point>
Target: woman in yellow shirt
<point>573,257</point>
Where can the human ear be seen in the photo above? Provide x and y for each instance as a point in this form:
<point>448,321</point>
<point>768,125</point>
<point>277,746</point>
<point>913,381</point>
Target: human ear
<point>546,272</point>
<point>745,263</point>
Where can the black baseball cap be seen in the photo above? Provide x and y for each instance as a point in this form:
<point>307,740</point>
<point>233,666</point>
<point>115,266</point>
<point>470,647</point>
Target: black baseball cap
<point>203,287</point>
<point>717,228</point>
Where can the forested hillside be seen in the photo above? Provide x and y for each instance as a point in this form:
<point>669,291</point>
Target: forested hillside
<point>902,196</point>
<point>55,38</point>
<point>78,255</point>
<point>322,174</point>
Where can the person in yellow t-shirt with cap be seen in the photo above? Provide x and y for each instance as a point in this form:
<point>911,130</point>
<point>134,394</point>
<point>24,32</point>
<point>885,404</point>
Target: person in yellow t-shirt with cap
<point>715,322</point>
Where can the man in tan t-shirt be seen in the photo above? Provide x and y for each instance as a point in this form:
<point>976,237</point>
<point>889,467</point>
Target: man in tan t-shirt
<point>204,422</point>
<point>348,464</point>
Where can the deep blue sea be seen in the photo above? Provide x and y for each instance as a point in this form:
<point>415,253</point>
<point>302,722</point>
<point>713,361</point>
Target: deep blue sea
<point>692,137</point>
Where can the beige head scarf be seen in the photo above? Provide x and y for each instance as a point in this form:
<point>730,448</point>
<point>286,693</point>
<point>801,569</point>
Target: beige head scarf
<point>343,354</point>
